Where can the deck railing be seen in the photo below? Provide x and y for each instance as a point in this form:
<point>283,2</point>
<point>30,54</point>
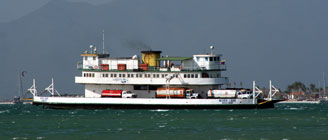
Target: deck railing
<point>155,69</point>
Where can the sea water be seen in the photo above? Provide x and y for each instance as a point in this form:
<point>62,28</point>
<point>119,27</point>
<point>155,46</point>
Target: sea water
<point>284,122</point>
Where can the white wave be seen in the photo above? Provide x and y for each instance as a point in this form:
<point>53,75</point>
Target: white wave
<point>39,138</point>
<point>161,126</point>
<point>293,108</point>
<point>160,110</point>
<point>4,111</point>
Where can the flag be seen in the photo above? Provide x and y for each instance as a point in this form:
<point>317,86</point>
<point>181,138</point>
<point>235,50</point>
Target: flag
<point>223,62</point>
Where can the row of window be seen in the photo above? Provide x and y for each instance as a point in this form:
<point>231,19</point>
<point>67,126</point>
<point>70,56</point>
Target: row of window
<point>210,58</point>
<point>86,58</point>
<point>136,75</point>
<point>121,75</point>
<point>190,76</point>
<point>88,75</point>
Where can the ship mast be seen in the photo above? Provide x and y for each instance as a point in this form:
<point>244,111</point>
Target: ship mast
<point>19,91</point>
<point>20,83</point>
<point>103,41</point>
<point>324,84</point>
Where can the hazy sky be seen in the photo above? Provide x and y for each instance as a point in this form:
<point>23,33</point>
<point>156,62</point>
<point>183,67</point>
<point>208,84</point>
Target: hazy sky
<point>14,9</point>
<point>281,40</point>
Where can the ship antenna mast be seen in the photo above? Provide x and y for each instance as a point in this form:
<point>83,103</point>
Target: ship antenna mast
<point>211,47</point>
<point>103,41</point>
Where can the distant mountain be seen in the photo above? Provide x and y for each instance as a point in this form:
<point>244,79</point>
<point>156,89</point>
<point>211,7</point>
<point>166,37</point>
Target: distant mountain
<point>266,35</point>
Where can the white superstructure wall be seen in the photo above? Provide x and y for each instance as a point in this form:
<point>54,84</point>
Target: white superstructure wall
<point>131,64</point>
<point>90,62</point>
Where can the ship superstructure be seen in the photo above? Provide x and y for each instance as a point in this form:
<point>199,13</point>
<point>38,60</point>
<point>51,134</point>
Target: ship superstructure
<point>145,75</point>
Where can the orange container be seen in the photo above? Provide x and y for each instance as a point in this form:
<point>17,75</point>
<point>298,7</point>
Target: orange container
<point>121,66</point>
<point>104,67</point>
<point>144,67</point>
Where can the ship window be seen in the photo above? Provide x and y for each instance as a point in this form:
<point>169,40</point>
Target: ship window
<point>188,75</point>
<point>140,75</point>
<point>197,58</point>
<point>206,58</point>
<point>83,74</point>
<point>128,75</point>
<point>176,75</point>
<point>192,75</point>
<point>93,75</point>
<point>154,75</point>
<point>132,75</point>
<point>85,58</point>
<point>115,75</point>
<point>211,58</point>
<point>214,58</point>
<point>123,75</point>
<point>137,75</point>
<point>165,75</point>
<point>94,58</point>
<point>162,75</point>
<point>205,75</point>
<point>157,75</point>
<point>218,58</point>
<point>111,75</point>
<point>196,75</point>
<point>184,75</point>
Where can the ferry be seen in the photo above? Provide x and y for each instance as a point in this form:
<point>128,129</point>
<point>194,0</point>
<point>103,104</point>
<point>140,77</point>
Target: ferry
<point>153,81</point>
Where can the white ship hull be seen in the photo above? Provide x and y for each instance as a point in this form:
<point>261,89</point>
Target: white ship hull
<point>148,103</point>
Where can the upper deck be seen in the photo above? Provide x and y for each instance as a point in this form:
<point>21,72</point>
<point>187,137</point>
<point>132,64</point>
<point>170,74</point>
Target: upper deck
<point>151,68</point>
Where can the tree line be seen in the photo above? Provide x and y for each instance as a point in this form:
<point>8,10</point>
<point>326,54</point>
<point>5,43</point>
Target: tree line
<point>301,87</point>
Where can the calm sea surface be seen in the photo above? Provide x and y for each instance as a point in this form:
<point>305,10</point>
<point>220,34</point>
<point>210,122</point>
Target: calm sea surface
<point>285,122</point>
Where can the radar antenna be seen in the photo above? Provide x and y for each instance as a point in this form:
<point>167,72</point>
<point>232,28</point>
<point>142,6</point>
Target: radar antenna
<point>212,48</point>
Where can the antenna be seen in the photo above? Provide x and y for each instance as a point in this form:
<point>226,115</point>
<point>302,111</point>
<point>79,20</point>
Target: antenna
<point>91,47</point>
<point>103,39</point>
<point>211,47</point>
